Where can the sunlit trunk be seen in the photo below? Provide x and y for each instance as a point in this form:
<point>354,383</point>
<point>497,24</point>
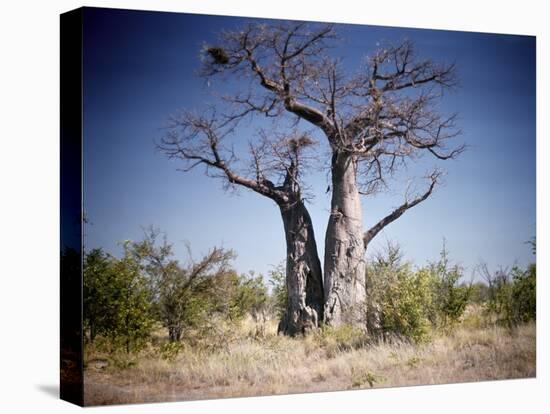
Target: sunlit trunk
<point>345,290</point>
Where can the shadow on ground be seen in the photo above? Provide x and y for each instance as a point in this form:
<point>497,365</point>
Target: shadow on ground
<point>49,389</point>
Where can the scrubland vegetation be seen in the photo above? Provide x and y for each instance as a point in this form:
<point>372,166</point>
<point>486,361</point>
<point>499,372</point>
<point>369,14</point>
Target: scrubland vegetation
<point>249,364</point>
<point>158,329</point>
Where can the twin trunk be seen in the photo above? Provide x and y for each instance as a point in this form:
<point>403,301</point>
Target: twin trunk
<point>342,298</point>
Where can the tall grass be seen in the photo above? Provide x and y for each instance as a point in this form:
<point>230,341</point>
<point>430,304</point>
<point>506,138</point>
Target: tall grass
<point>256,361</point>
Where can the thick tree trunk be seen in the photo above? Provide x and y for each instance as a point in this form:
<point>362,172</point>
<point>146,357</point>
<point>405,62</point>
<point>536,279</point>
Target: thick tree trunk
<point>345,290</point>
<point>304,279</point>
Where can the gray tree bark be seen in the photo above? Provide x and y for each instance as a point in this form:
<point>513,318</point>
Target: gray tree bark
<point>345,290</point>
<point>304,281</point>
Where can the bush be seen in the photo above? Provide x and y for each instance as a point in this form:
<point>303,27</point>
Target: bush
<point>185,296</point>
<point>450,298</point>
<point>97,272</point>
<point>124,298</point>
<point>132,304</point>
<point>250,297</point>
<point>524,293</point>
<point>399,299</point>
<point>117,302</point>
<point>409,303</point>
<point>512,295</point>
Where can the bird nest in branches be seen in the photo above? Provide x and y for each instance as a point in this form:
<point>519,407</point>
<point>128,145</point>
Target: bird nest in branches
<point>218,55</point>
<point>300,142</point>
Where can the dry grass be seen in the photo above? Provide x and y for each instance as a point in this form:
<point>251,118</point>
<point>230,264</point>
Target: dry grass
<point>333,360</point>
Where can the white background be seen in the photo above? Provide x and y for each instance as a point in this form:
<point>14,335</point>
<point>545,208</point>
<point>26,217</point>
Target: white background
<point>29,194</point>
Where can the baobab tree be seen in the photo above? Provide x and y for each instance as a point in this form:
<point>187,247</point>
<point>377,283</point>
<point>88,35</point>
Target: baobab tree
<point>374,121</point>
<point>275,163</point>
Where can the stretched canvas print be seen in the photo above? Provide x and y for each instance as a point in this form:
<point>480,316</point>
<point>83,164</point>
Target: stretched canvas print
<point>255,206</point>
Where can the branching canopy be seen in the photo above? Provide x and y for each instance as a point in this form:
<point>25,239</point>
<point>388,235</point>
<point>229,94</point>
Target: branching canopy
<point>382,116</point>
<point>273,163</point>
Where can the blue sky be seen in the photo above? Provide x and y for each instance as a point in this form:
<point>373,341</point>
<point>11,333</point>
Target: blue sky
<point>141,67</point>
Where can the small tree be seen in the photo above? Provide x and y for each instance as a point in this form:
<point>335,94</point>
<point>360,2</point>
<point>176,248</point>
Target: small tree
<point>97,272</point>
<point>512,294</point>
<point>184,296</point>
<point>117,300</point>
<point>524,293</point>
<point>132,318</point>
<point>400,300</point>
<point>450,297</point>
<point>250,297</point>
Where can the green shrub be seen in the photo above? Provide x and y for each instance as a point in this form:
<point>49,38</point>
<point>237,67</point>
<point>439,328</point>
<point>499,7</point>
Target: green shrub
<point>125,298</point>
<point>117,303</point>
<point>399,299</point>
<point>524,293</point>
<point>130,301</point>
<point>407,303</point>
<point>409,299</point>
<point>450,298</point>
<point>250,297</point>
<point>96,292</point>
<point>186,296</point>
<point>512,295</point>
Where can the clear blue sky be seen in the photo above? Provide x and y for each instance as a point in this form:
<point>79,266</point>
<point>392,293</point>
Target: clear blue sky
<point>140,67</point>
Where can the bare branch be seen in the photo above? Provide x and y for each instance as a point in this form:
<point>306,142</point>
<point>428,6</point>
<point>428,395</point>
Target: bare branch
<point>217,257</point>
<point>283,58</point>
<point>198,140</point>
<point>396,67</point>
<point>396,123</point>
<point>398,212</point>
